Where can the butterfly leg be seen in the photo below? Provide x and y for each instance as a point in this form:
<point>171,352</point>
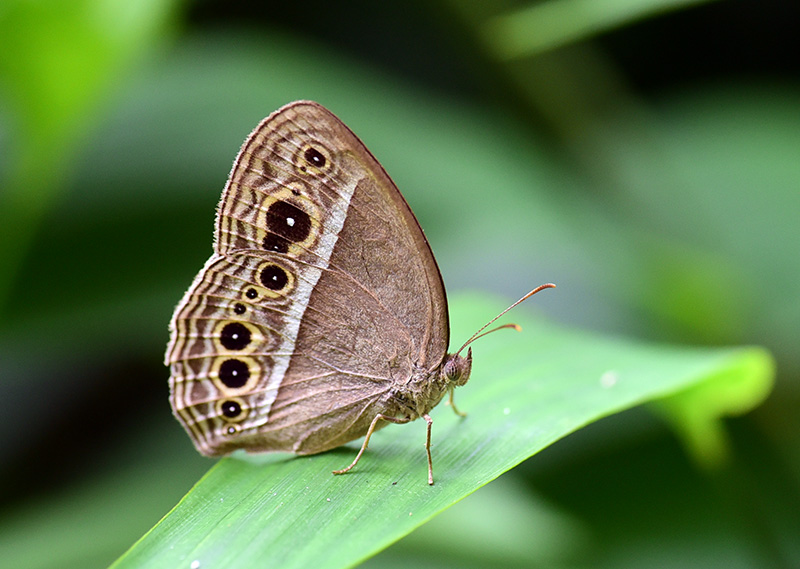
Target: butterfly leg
<point>452,404</point>
<point>428,447</point>
<point>377,418</point>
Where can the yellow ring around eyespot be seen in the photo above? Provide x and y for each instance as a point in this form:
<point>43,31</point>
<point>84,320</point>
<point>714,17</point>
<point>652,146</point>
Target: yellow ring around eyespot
<point>254,367</point>
<point>256,338</point>
<point>304,167</point>
<point>285,289</point>
<point>302,202</point>
<point>238,419</point>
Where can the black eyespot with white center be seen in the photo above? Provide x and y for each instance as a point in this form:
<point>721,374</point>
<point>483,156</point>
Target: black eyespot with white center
<point>315,157</point>
<point>276,243</point>
<point>288,221</point>
<point>234,373</point>
<point>251,293</point>
<point>235,336</point>
<point>231,409</point>
<point>273,277</point>
<point>239,308</point>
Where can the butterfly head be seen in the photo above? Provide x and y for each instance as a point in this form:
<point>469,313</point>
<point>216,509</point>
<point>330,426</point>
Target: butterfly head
<point>456,369</point>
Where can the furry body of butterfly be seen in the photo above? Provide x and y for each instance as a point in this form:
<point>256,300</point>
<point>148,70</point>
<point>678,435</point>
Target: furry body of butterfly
<point>321,315</point>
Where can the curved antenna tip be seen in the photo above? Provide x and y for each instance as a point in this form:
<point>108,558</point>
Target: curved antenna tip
<point>517,327</point>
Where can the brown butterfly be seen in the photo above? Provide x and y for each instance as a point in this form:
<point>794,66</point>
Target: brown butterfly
<point>321,315</point>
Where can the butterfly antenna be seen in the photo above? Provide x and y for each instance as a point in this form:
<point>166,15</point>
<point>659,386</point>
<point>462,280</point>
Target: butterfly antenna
<point>480,333</point>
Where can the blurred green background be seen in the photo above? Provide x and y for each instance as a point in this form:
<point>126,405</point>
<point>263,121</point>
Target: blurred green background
<point>641,154</point>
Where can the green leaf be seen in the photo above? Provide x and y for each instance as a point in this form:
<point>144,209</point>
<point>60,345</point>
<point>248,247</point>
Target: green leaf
<point>733,390</point>
<point>58,63</point>
<point>542,26</point>
<point>527,391</point>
